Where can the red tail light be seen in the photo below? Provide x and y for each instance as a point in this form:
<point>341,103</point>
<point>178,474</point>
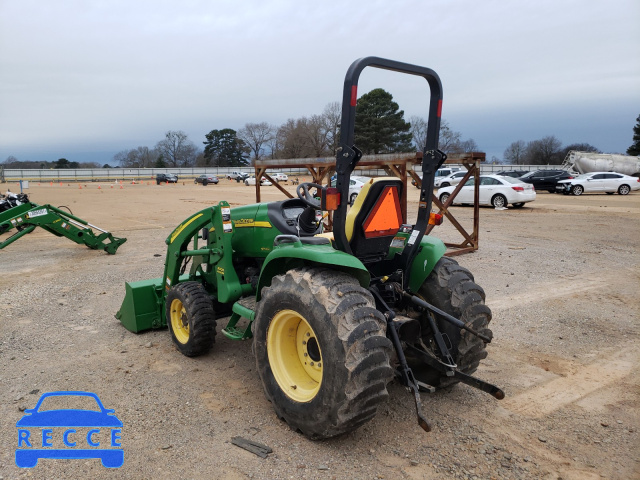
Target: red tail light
<point>570,178</point>
<point>435,219</point>
<point>518,189</point>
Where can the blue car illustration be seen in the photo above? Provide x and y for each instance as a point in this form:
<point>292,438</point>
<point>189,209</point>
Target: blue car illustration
<point>65,422</point>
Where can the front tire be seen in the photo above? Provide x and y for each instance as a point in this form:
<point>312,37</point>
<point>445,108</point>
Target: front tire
<point>577,190</point>
<point>321,351</point>
<point>452,288</point>
<point>444,197</point>
<point>499,201</point>
<point>191,318</point>
<point>352,198</point>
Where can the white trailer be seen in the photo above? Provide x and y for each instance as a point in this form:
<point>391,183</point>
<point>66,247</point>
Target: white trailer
<point>585,162</point>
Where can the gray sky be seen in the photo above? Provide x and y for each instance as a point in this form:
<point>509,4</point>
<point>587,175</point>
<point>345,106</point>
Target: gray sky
<point>85,79</point>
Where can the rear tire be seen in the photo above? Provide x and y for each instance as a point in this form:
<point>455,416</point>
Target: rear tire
<point>518,205</point>
<point>452,288</point>
<point>624,189</point>
<point>335,381</point>
<point>577,190</point>
<point>352,198</point>
<point>191,318</point>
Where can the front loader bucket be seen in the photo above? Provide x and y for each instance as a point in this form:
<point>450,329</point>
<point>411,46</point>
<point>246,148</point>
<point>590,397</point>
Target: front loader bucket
<point>141,308</point>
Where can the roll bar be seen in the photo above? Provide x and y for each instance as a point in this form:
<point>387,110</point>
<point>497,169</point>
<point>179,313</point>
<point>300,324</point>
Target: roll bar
<point>348,155</point>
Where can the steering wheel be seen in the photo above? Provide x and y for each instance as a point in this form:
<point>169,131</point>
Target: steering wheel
<point>303,194</point>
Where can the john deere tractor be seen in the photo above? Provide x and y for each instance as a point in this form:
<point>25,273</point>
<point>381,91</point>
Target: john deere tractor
<point>333,316</point>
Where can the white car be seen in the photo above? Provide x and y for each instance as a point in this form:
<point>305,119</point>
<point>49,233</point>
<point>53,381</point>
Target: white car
<point>252,181</point>
<point>280,177</point>
<point>440,173</point>
<point>453,178</point>
<point>494,190</point>
<point>594,182</point>
<point>355,185</point>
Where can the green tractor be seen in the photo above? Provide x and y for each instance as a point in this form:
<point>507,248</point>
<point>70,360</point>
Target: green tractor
<point>333,317</point>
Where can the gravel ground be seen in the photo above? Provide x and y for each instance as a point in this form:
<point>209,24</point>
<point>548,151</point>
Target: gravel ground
<point>561,277</point>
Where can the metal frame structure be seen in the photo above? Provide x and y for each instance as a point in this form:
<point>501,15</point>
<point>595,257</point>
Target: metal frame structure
<point>398,165</point>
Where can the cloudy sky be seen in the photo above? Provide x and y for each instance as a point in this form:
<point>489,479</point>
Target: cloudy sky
<point>85,79</point>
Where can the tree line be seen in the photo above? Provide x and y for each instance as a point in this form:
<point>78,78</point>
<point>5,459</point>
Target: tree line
<point>380,128</point>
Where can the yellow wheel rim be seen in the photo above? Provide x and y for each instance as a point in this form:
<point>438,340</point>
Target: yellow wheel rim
<point>179,322</point>
<point>294,356</point>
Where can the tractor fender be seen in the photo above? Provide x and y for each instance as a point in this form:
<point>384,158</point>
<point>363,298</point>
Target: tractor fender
<point>431,250</point>
<point>284,257</point>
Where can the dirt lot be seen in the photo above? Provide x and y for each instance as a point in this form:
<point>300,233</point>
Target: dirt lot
<point>562,278</point>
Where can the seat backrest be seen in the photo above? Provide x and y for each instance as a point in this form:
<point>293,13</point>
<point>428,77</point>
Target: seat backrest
<point>374,219</point>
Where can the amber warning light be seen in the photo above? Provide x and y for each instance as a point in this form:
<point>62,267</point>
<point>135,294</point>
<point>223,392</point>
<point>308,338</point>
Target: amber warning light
<point>435,219</point>
<point>330,199</point>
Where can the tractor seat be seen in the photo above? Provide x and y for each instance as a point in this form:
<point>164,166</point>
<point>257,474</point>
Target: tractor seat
<point>374,219</point>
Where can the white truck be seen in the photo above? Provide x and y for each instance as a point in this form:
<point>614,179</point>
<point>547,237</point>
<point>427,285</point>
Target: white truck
<point>586,162</point>
<point>237,176</point>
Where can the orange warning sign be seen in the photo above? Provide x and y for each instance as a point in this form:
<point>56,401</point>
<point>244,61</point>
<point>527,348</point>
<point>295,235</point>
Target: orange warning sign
<point>386,216</point>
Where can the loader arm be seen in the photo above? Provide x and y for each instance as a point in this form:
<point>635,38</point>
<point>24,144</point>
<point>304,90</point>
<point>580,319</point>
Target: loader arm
<point>26,217</point>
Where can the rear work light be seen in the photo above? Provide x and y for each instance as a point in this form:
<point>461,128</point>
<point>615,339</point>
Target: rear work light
<point>518,189</point>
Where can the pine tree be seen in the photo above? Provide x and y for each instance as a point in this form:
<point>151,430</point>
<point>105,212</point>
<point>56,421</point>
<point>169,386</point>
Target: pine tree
<point>635,148</point>
<point>380,126</point>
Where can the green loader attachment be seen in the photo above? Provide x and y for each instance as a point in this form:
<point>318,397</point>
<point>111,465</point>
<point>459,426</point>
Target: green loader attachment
<point>27,216</point>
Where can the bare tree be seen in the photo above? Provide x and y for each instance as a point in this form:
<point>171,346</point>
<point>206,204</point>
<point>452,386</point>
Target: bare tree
<point>291,139</point>
<point>449,140</point>
<point>141,157</point>
<point>177,150</point>
<point>332,117</point>
<point>545,151</point>
<point>257,136</point>
<point>314,129</point>
<point>515,153</point>
<point>419,132</point>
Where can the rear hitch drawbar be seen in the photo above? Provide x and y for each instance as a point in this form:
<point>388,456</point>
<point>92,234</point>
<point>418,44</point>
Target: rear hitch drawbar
<point>408,378</point>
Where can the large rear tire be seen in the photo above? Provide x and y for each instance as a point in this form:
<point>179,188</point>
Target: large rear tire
<point>191,318</point>
<point>452,288</point>
<point>321,351</point>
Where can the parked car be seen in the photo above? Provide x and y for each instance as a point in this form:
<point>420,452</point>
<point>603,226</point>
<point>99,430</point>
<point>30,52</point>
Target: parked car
<point>355,185</point>
<point>441,172</point>
<point>280,177</point>
<point>207,179</point>
<point>453,178</point>
<point>166,178</point>
<point>251,180</point>
<point>593,182</point>
<point>238,176</point>
<point>494,190</point>
<point>546,179</point>
<point>512,173</point>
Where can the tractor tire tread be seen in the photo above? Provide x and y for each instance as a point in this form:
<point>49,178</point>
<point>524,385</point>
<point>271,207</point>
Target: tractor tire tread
<point>360,335</point>
<point>452,288</point>
<point>199,306</point>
